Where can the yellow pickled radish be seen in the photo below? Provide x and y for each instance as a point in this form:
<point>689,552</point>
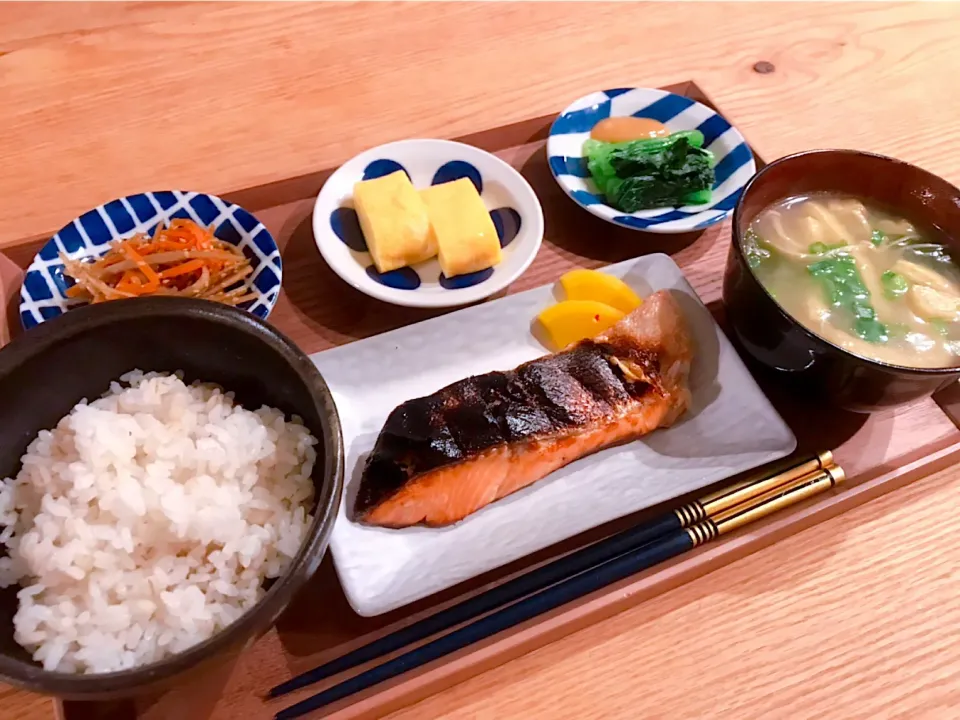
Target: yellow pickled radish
<point>569,321</point>
<point>593,285</point>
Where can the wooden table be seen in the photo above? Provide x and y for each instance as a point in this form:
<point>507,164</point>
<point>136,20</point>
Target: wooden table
<point>852,618</point>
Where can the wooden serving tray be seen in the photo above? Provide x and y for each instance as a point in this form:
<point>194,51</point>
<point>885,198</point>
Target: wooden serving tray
<point>880,452</point>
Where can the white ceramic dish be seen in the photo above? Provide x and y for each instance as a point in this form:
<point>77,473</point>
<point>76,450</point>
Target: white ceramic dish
<point>511,201</point>
<point>735,163</point>
<point>731,427</point>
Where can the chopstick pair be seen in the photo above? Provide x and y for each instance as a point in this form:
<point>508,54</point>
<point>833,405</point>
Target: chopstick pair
<point>568,578</point>
<point>558,570</point>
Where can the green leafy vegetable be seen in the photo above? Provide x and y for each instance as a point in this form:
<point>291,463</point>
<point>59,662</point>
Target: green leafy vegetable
<point>637,156</point>
<point>819,248</point>
<point>940,326</point>
<point>877,237</point>
<point>598,162</point>
<point>845,289</point>
<point>871,330</point>
<point>894,284</point>
<point>650,146</point>
<point>653,172</point>
<point>700,197</point>
<point>756,250</point>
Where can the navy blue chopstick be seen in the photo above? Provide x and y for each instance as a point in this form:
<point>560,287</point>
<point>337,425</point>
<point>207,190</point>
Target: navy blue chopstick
<point>551,573</point>
<point>633,561</point>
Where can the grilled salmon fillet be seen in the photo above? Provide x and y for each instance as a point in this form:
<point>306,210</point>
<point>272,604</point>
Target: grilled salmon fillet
<point>441,457</point>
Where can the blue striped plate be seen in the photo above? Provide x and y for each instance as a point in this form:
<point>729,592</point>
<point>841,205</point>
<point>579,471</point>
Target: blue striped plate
<point>43,294</point>
<point>735,164</point>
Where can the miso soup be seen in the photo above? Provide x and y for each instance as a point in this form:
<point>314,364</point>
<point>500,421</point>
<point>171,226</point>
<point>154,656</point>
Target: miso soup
<point>860,277</point>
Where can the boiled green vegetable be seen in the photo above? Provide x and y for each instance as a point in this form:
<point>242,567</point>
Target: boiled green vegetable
<point>631,158</point>
<point>654,172</point>
<point>598,162</point>
<point>894,284</point>
<point>756,250</point>
<point>844,289</point>
<point>701,197</point>
<point>819,248</point>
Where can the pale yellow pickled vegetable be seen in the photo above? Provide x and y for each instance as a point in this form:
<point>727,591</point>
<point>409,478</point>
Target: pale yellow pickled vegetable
<point>573,320</point>
<point>599,286</point>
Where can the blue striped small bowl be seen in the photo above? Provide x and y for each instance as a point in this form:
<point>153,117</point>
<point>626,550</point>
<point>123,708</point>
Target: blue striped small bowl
<point>43,293</point>
<point>735,164</point>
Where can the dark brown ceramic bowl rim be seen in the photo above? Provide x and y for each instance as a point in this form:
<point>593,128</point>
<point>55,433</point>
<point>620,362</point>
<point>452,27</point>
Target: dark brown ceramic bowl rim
<point>738,248</point>
<point>265,613</point>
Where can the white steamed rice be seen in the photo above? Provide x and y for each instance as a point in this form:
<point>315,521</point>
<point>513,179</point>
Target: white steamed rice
<point>148,520</point>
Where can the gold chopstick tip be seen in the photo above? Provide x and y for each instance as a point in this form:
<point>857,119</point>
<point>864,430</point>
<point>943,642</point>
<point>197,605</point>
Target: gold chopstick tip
<point>837,474</point>
<point>825,458</point>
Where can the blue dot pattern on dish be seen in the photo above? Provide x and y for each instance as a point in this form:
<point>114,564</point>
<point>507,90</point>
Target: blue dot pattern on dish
<point>404,278</point>
<point>43,292</point>
<point>379,168</point>
<point>507,222</point>
<point>456,169</point>
<point>458,282</point>
<point>346,225</point>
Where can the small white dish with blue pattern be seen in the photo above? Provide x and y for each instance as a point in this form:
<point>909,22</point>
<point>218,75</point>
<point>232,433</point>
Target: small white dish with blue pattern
<point>514,207</point>
<point>43,294</point>
<point>734,161</point>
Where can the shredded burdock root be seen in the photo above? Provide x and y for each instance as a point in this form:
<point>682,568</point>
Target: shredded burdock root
<point>183,259</point>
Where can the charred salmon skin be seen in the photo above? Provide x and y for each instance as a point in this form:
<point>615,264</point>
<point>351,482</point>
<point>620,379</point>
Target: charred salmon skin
<point>442,457</point>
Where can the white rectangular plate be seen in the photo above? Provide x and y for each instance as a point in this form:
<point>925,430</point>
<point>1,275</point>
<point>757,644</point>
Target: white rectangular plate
<point>730,427</point>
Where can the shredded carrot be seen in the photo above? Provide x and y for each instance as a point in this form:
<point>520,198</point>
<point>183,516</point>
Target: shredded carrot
<point>158,245</point>
<point>183,258</point>
<point>153,280</point>
<point>130,283</point>
<point>187,267</point>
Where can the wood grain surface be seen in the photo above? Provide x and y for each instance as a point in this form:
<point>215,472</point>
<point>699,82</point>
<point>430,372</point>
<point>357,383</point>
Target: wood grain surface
<point>852,618</point>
